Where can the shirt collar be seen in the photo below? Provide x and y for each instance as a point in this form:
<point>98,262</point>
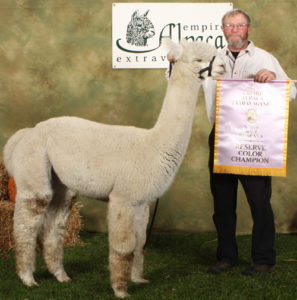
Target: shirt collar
<point>250,49</point>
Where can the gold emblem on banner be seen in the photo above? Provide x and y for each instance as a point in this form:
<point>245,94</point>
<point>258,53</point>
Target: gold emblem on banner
<point>252,116</point>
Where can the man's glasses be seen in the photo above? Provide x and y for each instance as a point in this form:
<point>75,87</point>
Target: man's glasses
<point>237,26</point>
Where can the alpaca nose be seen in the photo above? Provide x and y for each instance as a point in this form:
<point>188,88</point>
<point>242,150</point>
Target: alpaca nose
<point>221,64</point>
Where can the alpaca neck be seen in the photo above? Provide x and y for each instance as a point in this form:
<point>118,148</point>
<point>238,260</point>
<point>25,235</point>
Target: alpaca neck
<point>177,113</point>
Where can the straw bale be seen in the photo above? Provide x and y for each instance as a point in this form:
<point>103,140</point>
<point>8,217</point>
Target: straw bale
<point>73,227</point>
<point>7,211</point>
<point>6,226</point>
<point>3,183</point>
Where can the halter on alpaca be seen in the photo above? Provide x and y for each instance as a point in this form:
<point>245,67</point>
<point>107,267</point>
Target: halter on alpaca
<point>208,68</point>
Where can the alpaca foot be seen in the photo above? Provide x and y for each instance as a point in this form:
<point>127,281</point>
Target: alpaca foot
<point>120,290</point>
<point>121,294</point>
<point>27,278</point>
<point>139,280</point>
<point>62,276</point>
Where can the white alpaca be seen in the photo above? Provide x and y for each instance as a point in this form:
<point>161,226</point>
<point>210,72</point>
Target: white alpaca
<point>62,157</point>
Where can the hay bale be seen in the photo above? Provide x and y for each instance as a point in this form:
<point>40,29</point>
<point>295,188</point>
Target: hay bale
<point>3,183</point>
<point>7,211</point>
<point>6,226</point>
<point>73,226</point>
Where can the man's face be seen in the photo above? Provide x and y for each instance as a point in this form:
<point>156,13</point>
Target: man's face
<point>238,31</point>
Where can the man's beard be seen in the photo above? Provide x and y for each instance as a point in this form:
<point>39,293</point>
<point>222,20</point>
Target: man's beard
<point>238,44</point>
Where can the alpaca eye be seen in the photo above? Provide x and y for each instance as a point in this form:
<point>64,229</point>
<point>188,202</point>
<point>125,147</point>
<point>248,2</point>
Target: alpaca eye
<point>198,59</point>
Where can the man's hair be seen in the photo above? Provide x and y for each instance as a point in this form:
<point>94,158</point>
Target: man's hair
<point>234,12</point>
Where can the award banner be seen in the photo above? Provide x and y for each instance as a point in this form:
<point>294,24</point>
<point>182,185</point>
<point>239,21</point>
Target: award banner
<point>251,128</point>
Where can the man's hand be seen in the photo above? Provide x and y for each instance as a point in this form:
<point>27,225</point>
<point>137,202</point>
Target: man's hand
<point>264,76</point>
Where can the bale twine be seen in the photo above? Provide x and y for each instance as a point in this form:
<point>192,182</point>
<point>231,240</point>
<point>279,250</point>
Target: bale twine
<point>6,218</point>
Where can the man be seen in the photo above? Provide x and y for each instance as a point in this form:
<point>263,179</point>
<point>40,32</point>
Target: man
<point>243,60</point>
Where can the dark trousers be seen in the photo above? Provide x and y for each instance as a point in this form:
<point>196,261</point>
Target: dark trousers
<point>258,193</point>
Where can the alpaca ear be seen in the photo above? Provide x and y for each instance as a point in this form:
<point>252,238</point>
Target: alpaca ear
<point>134,15</point>
<point>173,49</point>
<point>184,43</point>
<point>145,14</point>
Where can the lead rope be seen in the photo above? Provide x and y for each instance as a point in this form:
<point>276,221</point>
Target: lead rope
<point>209,68</point>
<point>170,69</point>
<point>149,231</point>
<point>152,223</point>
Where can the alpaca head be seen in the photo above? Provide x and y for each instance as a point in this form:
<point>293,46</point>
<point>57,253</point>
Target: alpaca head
<point>201,58</point>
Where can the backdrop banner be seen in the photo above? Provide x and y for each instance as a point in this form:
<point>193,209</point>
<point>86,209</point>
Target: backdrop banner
<point>139,28</point>
<point>251,128</point>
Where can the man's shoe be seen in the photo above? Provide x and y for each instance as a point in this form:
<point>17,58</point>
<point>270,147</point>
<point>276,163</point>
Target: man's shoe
<point>220,267</point>
<point>258,269</point>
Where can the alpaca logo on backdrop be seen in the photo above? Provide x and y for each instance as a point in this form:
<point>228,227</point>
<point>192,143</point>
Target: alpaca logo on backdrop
<point>140,29</point>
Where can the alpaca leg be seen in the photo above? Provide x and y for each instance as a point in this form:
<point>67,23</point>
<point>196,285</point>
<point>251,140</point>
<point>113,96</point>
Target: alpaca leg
<point>28,216</point>
<point>121,244</point>
<point>52,233</point>
<point>140,224</point>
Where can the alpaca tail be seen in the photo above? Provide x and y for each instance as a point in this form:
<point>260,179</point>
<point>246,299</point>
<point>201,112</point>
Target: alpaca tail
<point>9,148</point>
